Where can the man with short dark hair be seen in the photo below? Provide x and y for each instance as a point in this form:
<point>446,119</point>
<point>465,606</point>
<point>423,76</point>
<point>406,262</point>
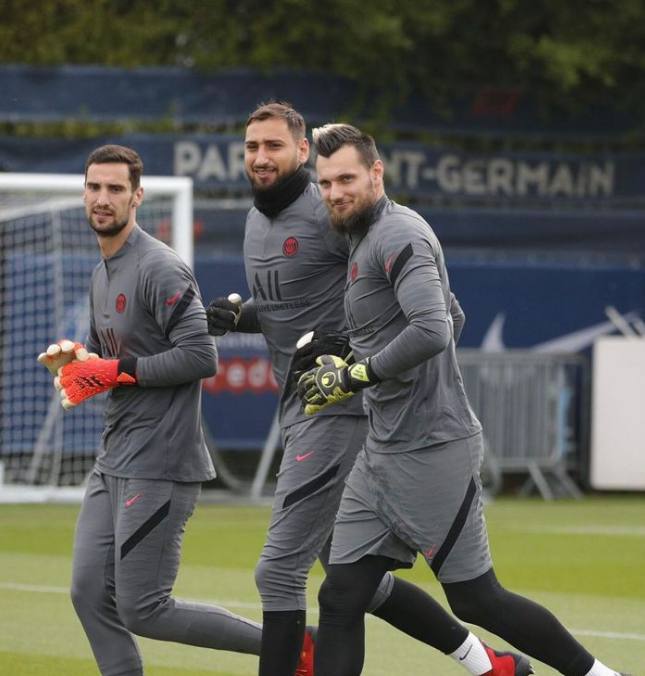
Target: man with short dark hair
<point>296,268</point>
<point>148,347</point>
<point>415,487</point>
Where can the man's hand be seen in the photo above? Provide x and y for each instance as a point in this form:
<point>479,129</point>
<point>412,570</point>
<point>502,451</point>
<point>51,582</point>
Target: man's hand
<point>315,344</point>
<point>223,314</point>
<point>61,353</point>
<point>333,381</point>
<point>80,380</point>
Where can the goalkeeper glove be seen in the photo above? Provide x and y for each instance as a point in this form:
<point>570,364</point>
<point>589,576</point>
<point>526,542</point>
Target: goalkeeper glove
<point>223,314</point>
<point>333,381</point>
<point>61,353</point>
<point>80,380</point>
<point>315,344</point>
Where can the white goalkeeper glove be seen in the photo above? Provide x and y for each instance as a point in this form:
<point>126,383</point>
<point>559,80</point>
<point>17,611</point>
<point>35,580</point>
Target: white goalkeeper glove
<point>61,353</point>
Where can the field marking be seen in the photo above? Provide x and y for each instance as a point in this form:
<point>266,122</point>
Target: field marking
<point>48,589</point>
<point>633,531</point>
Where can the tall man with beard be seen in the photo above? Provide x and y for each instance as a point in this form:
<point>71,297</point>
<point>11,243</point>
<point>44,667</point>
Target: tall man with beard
<point>150,349</point>
<point>415,487</point>
<point>296,268</point>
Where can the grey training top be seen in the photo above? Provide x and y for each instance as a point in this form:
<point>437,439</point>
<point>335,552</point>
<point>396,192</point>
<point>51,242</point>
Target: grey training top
<point>296,268</point>
<point>144,303</point>
<point>398,304</point>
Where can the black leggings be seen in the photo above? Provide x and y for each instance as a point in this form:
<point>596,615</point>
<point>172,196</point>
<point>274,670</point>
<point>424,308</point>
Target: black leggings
<point>348,589</point>
<point>521,622</point>
<point>344,597</point>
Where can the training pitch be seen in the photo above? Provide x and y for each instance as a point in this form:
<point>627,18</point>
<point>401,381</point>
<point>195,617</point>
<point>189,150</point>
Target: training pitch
<point>584,560</point>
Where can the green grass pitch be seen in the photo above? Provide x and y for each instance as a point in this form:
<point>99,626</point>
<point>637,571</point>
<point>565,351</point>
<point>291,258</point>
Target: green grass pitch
<point>585,560</point>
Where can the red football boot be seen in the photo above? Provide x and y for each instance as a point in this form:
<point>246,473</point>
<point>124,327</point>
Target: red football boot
<point>507,664</point>
<point>306,662</point>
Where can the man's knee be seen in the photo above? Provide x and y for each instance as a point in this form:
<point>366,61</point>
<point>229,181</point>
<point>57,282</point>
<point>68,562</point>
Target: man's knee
<point>277,585</point>
<point>337,596</point>
<point>473,601</point>
<point>87,591</point>
<point>138,617</point>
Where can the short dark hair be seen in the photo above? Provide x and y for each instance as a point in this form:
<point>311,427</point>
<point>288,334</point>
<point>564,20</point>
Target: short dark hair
<point>332,137</point>
<point>119,154</point>
<point>282,110</point>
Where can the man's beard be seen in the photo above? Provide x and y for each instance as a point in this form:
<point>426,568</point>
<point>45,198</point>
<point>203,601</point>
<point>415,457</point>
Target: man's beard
<point>357,221</point>
<point>259,188</point>
<point>111,231</point>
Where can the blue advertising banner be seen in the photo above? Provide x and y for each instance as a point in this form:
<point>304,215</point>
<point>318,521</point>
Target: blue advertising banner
<point>225,97</point>
<point>546,307</point>
<point>519,303</point>
<point>216,162</point>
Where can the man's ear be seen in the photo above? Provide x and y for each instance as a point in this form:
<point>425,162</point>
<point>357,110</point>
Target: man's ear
<point>378,170</point>
<point>138,197</point>
<point>303,150</point>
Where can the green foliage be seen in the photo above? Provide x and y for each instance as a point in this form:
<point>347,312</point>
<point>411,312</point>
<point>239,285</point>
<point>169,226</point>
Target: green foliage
<point>569,55</point>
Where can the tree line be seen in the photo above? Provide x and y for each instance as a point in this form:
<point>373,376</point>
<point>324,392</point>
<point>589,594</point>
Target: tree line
<point>569,55</point>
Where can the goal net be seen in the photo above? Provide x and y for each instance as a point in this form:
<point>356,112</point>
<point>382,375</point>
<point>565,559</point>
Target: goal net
<point>47,254</point>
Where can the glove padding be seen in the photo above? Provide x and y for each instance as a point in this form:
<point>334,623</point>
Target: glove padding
<point>61,353</point>
<point>322,342</point>
<point>222,316</point>
<point>80,380</point>
<point>333,381</point>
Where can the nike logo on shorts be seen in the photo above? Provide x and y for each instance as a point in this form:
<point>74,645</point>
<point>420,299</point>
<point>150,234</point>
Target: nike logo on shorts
<point>304,456</point>
<point>173,299</point>
<point>130,501</point>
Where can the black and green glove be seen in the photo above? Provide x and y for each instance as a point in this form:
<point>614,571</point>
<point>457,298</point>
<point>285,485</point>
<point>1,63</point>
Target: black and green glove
<point>333,381</point>
<point>315,344</point>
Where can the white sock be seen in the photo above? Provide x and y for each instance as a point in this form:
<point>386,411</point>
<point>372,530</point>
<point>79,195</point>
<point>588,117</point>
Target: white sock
<point>472,656</point>
<point>599,669</point>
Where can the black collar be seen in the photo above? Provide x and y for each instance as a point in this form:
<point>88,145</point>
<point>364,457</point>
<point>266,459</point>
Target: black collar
<point>279,196</point>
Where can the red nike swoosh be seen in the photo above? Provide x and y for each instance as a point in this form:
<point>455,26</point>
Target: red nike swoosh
<point>132,500</point>
<point>173,299</point>
<point>304,456</point>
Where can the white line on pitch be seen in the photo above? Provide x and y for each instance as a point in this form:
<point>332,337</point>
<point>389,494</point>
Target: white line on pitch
<point>38,588</point>
<point>616,531</point>
<point>608,634</point>
<point>46,589</point>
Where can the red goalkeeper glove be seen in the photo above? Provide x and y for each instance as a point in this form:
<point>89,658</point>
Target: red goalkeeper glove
<point>80,380</point>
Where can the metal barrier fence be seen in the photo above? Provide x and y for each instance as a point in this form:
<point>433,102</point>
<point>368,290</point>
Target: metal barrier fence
<point>533,408</point>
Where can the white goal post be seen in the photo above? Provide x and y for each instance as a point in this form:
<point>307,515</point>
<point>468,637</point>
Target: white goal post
<point>47,254</point>
<point>180,188</point>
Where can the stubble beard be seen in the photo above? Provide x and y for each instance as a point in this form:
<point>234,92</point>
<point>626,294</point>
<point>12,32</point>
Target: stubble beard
<point>110,231</point>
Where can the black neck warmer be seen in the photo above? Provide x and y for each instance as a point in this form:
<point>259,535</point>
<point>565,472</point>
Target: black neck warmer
<point>279,196</point>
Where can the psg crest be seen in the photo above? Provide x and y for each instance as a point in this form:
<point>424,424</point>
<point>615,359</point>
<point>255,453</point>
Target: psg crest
<point>290,246</point>
<point>120,303</point>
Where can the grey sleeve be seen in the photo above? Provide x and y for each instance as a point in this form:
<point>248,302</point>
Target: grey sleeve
<point>458,317</point>
<point>418,290</point>
<point>193,354</point>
